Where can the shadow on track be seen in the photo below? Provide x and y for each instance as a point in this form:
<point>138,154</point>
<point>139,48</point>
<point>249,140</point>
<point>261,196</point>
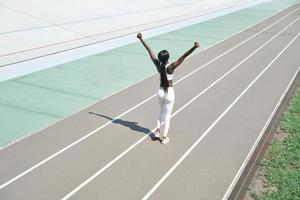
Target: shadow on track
<point>132,125</point>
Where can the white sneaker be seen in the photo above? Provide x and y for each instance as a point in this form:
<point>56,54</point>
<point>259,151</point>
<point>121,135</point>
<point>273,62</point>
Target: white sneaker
<point>165,140</point>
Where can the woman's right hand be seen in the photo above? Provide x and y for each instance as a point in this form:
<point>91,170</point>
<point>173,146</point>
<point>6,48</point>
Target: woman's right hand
<point>139,36</point>
<point>196,44</point>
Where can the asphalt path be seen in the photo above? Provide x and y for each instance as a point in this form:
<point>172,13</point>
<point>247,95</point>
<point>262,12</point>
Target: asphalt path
<point>225,97</point>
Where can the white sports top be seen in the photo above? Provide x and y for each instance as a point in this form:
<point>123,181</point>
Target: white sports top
<point>169,76</point>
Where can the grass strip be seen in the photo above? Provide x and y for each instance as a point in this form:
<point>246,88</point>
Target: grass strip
<point>281,165</point>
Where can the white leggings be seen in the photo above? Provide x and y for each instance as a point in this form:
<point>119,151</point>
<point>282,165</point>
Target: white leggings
<point>166,103</point>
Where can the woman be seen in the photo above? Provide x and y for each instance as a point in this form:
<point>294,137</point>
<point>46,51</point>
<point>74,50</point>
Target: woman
<point>166,92</point>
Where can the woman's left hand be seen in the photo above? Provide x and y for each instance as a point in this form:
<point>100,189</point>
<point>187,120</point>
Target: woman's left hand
<point>139,36</point>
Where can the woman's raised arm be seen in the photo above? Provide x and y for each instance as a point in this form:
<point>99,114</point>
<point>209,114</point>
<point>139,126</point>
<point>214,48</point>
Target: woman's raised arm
<point>173,66</point>
<point>152,55</point>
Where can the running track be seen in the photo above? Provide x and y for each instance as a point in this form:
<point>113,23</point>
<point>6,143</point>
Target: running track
<point>225,98</point>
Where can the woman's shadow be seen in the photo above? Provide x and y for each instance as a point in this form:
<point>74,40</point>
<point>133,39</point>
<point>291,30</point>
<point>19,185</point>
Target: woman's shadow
<point>132,125</point>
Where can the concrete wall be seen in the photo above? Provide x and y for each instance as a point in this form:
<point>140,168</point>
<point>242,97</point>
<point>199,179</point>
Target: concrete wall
<point>32,32</point>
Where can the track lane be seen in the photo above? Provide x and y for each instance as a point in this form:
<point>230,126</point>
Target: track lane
<point>16,153</point>
<point>151,106</point>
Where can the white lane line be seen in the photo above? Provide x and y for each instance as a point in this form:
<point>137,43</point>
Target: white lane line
<point>129,110</point>
<point>174,114</point>
<point>237,176</point>
<point>179,161</point>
